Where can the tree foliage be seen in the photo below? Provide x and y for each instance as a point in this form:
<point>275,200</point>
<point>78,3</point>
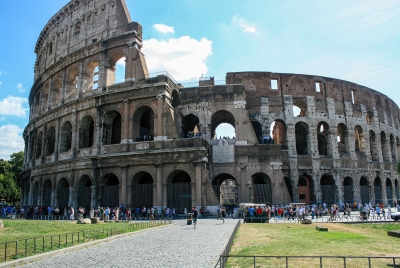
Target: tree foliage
<point>10,186</point>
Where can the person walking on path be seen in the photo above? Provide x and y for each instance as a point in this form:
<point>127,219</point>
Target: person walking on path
<point>195,213</point>
<point>223,214</point>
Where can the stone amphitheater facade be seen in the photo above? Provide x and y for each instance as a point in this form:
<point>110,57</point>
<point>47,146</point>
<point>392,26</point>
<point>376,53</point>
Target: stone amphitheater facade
<point>85,145</point>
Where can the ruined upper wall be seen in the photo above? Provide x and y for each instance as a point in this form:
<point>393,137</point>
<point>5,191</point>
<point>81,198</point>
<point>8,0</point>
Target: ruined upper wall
<point>258,84</point>
<point>78,24</point>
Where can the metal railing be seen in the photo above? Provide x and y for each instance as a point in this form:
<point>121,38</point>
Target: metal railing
<point>228,245</point>
<point>26,247</point>
<point>309,261</point>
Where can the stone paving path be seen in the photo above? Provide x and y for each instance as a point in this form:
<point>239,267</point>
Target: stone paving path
<point>178,245</point>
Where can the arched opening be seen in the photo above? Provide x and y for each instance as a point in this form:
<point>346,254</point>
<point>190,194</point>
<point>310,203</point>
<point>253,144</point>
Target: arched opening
<point>66,137</point>
<point>261,189</point>
<point>35,194</point>
<point>385,147</point>
<point>85,192</point>
<point>359,139</point>
<point>56,92</point>
<point>389,195</point>
<point>142,190</point>
<point>289,187</point>
<point>396,189</point>
<point>348,196</point>
<point>225,188</point>
<point>305,189</point>
<point>190,126</point>
<point>86,132</point>
<point>364,190</point>
<point>116,69</point>
<point>50,141</point>
<point>47,193</point>
<point>370,118</point>
<point>39,144</point>
<point>72,84</point>
<point>322,136</point>
<point>179,191</point>
<point>63,193</point>
<point>175,98</point>
<point>32,140</point>
<point>373,146</point>
<point>393,148</point>
<point>302,140</point>
<point>278,133</point>
<point>299,108</point>
<point>342,138</point>
<point>257,130</point>
<point>91,76</point>
<point>223,125</point>
<point>44,98</point>
<point>378,190</point>
<point>328,190</point>
<point>110,195</point>
<point>112,128</point>
<point>143,124</point>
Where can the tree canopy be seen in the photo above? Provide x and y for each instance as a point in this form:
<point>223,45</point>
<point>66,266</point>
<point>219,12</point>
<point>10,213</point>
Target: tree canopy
<point>10,185</point>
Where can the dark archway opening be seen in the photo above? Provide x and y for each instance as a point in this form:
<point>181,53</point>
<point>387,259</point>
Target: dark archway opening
<point>179,191</point>
<point>63,193</point>
<point>261,189</point>
<point>328,190</point>
<point>85,192</point>
<point>348,196</point>
<point>51,141</point>
<point>378,190</point>
<point>143,124</point>
<point>190,126</point>
<point>364,190</point>
<point>110,195</point>
<point>66,137</point>
<point>142,190</point>
<point>47,193</point>
<point>389,195</point>
<point>301,131</point>
<point>257,130</point>
<point>86,132</point>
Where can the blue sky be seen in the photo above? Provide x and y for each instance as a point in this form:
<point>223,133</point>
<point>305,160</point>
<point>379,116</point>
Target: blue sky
<point>357,41</point>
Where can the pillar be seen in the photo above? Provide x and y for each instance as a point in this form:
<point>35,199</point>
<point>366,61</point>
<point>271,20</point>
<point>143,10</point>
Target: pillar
<point>125,132</point>
<point>159,186</point>
<point>198,183</point>
<point>122,186</point>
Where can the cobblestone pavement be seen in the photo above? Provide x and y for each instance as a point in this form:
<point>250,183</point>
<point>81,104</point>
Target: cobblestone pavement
<point>179,245</point>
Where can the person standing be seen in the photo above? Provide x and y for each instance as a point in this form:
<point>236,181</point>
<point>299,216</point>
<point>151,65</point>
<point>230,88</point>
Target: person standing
<point>71,215</point>
<point>223,214</point>
<point>195,213</point>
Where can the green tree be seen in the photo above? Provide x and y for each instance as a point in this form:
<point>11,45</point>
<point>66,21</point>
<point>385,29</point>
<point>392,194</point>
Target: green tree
<point>10,186</point>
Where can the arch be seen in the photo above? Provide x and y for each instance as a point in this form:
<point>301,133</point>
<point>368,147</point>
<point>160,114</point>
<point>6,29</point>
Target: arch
<point>364,190</point>
<point>305,189</point>
<point>143,123</point>
<point>110,196</point>
<point>348,195</point>
<point>44,97</point>
<point>47,193</point>
<point>393,148</point>
<point>389,195</point>
<point>86,132</point>
<point>142,190</point>
<point>378,190</point>
<point>225,188</point>
<point>39,144</point>
<point>342,138</point>
<point>322,136</point>
<point>32,140</point>
<point>112,128</point>
<point>385,147</point>
<point>359,139</point>
<point>91,76</point>
<point>373,146</point>
<point>396,189</point>
<point>190,126</point>
<point>35,194</point>
<point>179,191</point>
<point>116,68</point>
<point>278,133</point>
<point>176,100</point>
<point>302,139</point>
<point>220,117</point>
<point>328,189</point>
<point>50,141</point>
<point>370,118</point>
<point>72,83</point>
<point>63,193</point>
<point>66,137</point>
<point>56,91</point>
<point>261,188</point>
<point>257,130</point>
<point>299,108</point>
<point>85,192</point>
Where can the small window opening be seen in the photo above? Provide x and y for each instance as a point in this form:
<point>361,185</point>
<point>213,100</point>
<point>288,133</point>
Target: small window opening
<point>76,81</point>
<point>77,29</point>
<point>96,74</point>
<point>321,128</point>
<point>274,84</point>
<point>50,48</point>
<point>338,138</point>
<point>318,86</point>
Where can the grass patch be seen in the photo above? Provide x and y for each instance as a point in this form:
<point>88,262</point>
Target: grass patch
<point>304,240</point>
<point>27,238</point>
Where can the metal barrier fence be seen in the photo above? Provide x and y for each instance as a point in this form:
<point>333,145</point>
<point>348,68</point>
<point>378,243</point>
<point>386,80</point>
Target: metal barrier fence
<point>229,244</point>
<point>309,261</point>
<point>26,247</point>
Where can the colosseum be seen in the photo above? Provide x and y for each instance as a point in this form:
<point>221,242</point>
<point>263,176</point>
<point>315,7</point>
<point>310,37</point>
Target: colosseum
<point>149,141</point>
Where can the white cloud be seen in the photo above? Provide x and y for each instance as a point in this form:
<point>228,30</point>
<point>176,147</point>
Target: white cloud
<point>1,73</point>
<point>1,83</point>
<point>11,141</point>
<point>20,87</point>
<point>244,25</point>
<point>184,58</point>
<point>164,28</point>
<point>13,106</point>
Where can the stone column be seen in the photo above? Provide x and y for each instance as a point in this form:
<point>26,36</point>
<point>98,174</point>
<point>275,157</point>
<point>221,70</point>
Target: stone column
<point>71,196</point>
<point>53,202</point>
<point>93,202</point>
<point>42,156</point>
<point>125,132</point>
<point>193,191</point>
<point>198,183</point>
<point>123,186</point>
<point>339,186</point>
<point>164,195</point>
<point>30,196</point>
<point>50,93</point>
<point>74,131</point>
<point>81,80</point>
<point>63,87</point>
<point>99,122</point>
<point>57,140</point>
<point>158,131</point>
<point>159,186</point>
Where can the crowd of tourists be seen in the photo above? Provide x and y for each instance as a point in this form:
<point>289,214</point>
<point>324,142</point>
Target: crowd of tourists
<point>333,211</point>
